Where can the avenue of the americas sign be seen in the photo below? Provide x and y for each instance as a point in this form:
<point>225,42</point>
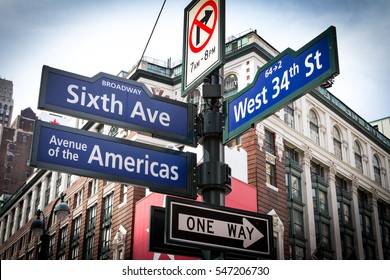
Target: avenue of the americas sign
<point>99,156</point>
<point>117,101</point>
<point>280,81</point>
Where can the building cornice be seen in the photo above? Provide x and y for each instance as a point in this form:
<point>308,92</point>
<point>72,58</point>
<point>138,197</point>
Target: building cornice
<point>337,106</point>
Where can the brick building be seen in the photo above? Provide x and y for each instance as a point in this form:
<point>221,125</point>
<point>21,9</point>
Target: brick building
<point>319,168</point>
<point>15,148</point>
<point>6,102</point>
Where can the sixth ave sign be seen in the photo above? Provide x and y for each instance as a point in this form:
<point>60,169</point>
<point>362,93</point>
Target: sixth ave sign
<point>207,226</point>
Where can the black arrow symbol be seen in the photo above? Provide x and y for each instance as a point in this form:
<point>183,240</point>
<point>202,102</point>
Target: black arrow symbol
<point>204,20</point>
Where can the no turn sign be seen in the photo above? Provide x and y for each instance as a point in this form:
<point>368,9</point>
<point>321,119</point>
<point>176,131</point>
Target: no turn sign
<point>204,24</point>
<point>204,40</point>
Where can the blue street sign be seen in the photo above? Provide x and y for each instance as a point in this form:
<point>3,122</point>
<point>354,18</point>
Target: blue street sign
<point>280,81</point>
<point>99,156</point>
<point>116,101</point>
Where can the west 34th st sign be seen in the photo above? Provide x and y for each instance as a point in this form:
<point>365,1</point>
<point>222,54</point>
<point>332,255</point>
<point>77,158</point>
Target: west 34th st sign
<point>116,101</point>
<point>280,81</point>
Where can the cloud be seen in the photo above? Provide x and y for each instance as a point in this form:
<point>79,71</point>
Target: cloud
<point>87,37</point>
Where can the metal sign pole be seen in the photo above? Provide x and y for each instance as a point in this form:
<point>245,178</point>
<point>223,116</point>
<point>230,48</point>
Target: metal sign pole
<point>214,175</point>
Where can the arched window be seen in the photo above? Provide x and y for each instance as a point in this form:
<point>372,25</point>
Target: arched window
<point>377,170</point>
<point>337,143</point>
<point>358,156</point>
<point>231,84</point>
<point>314,129</point>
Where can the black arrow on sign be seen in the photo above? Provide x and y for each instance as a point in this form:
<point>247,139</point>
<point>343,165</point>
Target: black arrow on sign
<point>204,20</point>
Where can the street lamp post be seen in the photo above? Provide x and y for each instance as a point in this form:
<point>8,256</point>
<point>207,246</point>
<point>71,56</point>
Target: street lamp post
<point>41,227</point>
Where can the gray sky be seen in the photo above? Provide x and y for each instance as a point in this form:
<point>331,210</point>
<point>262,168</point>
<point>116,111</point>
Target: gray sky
<point>88,37</point>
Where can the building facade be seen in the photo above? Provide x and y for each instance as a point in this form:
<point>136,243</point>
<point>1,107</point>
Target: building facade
<point>6,102</point>
<point>317,167</point>
<point>15,149</point>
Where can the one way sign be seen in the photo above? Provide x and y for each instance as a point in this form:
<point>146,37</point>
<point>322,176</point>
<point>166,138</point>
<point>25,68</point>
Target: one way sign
<point>244,231</point>
<point>207,226</point>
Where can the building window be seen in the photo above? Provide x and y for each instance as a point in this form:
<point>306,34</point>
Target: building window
<point>323,239</point>
<point>366,223</point>
<point>69,180</point>
<point>113,131</point>
<point>348,246</point>
<point>325,235</point>
<point>231,84</point>
<point>319,192</point>
<point>314,196</point>
<point>317,170</point>
<point>100,128</point>
<point>363,200</point>
<point>358,156</point>
<point>289,115</point>
<point>74,246</point>
<point>384,224</point>
<point>343,203</point>
<point>28,207</point>
<point>51,246</point>
<point>337,143</point>
<point>90,232</point>
<point>367,234</point>
<point>20,212</point>
<point>296,190</point>
<point>106,227</point>
<point>270,172</point>
<point>299,253</point>
<point>377,170</point>
<point>38,196</point>
<point>93,187</point>
<point>47,191</point>
<point>314,127</point>
<point>58,184</point>
<point>7,182</point>
<point>369,252</point>
<point>298,222</point>
<point>269,142</point>
<point>10,158</point>
<point>78,198</point>
<point>21,124</point>
<point>270,159</point>
<point>3,233</point>
<point>323,201</point>
<point>345,214</point>
<point>11,146</point>
<point>30,255</point>
<point>123,196</point>
<point>62,243</point>
<point>22,243</point>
